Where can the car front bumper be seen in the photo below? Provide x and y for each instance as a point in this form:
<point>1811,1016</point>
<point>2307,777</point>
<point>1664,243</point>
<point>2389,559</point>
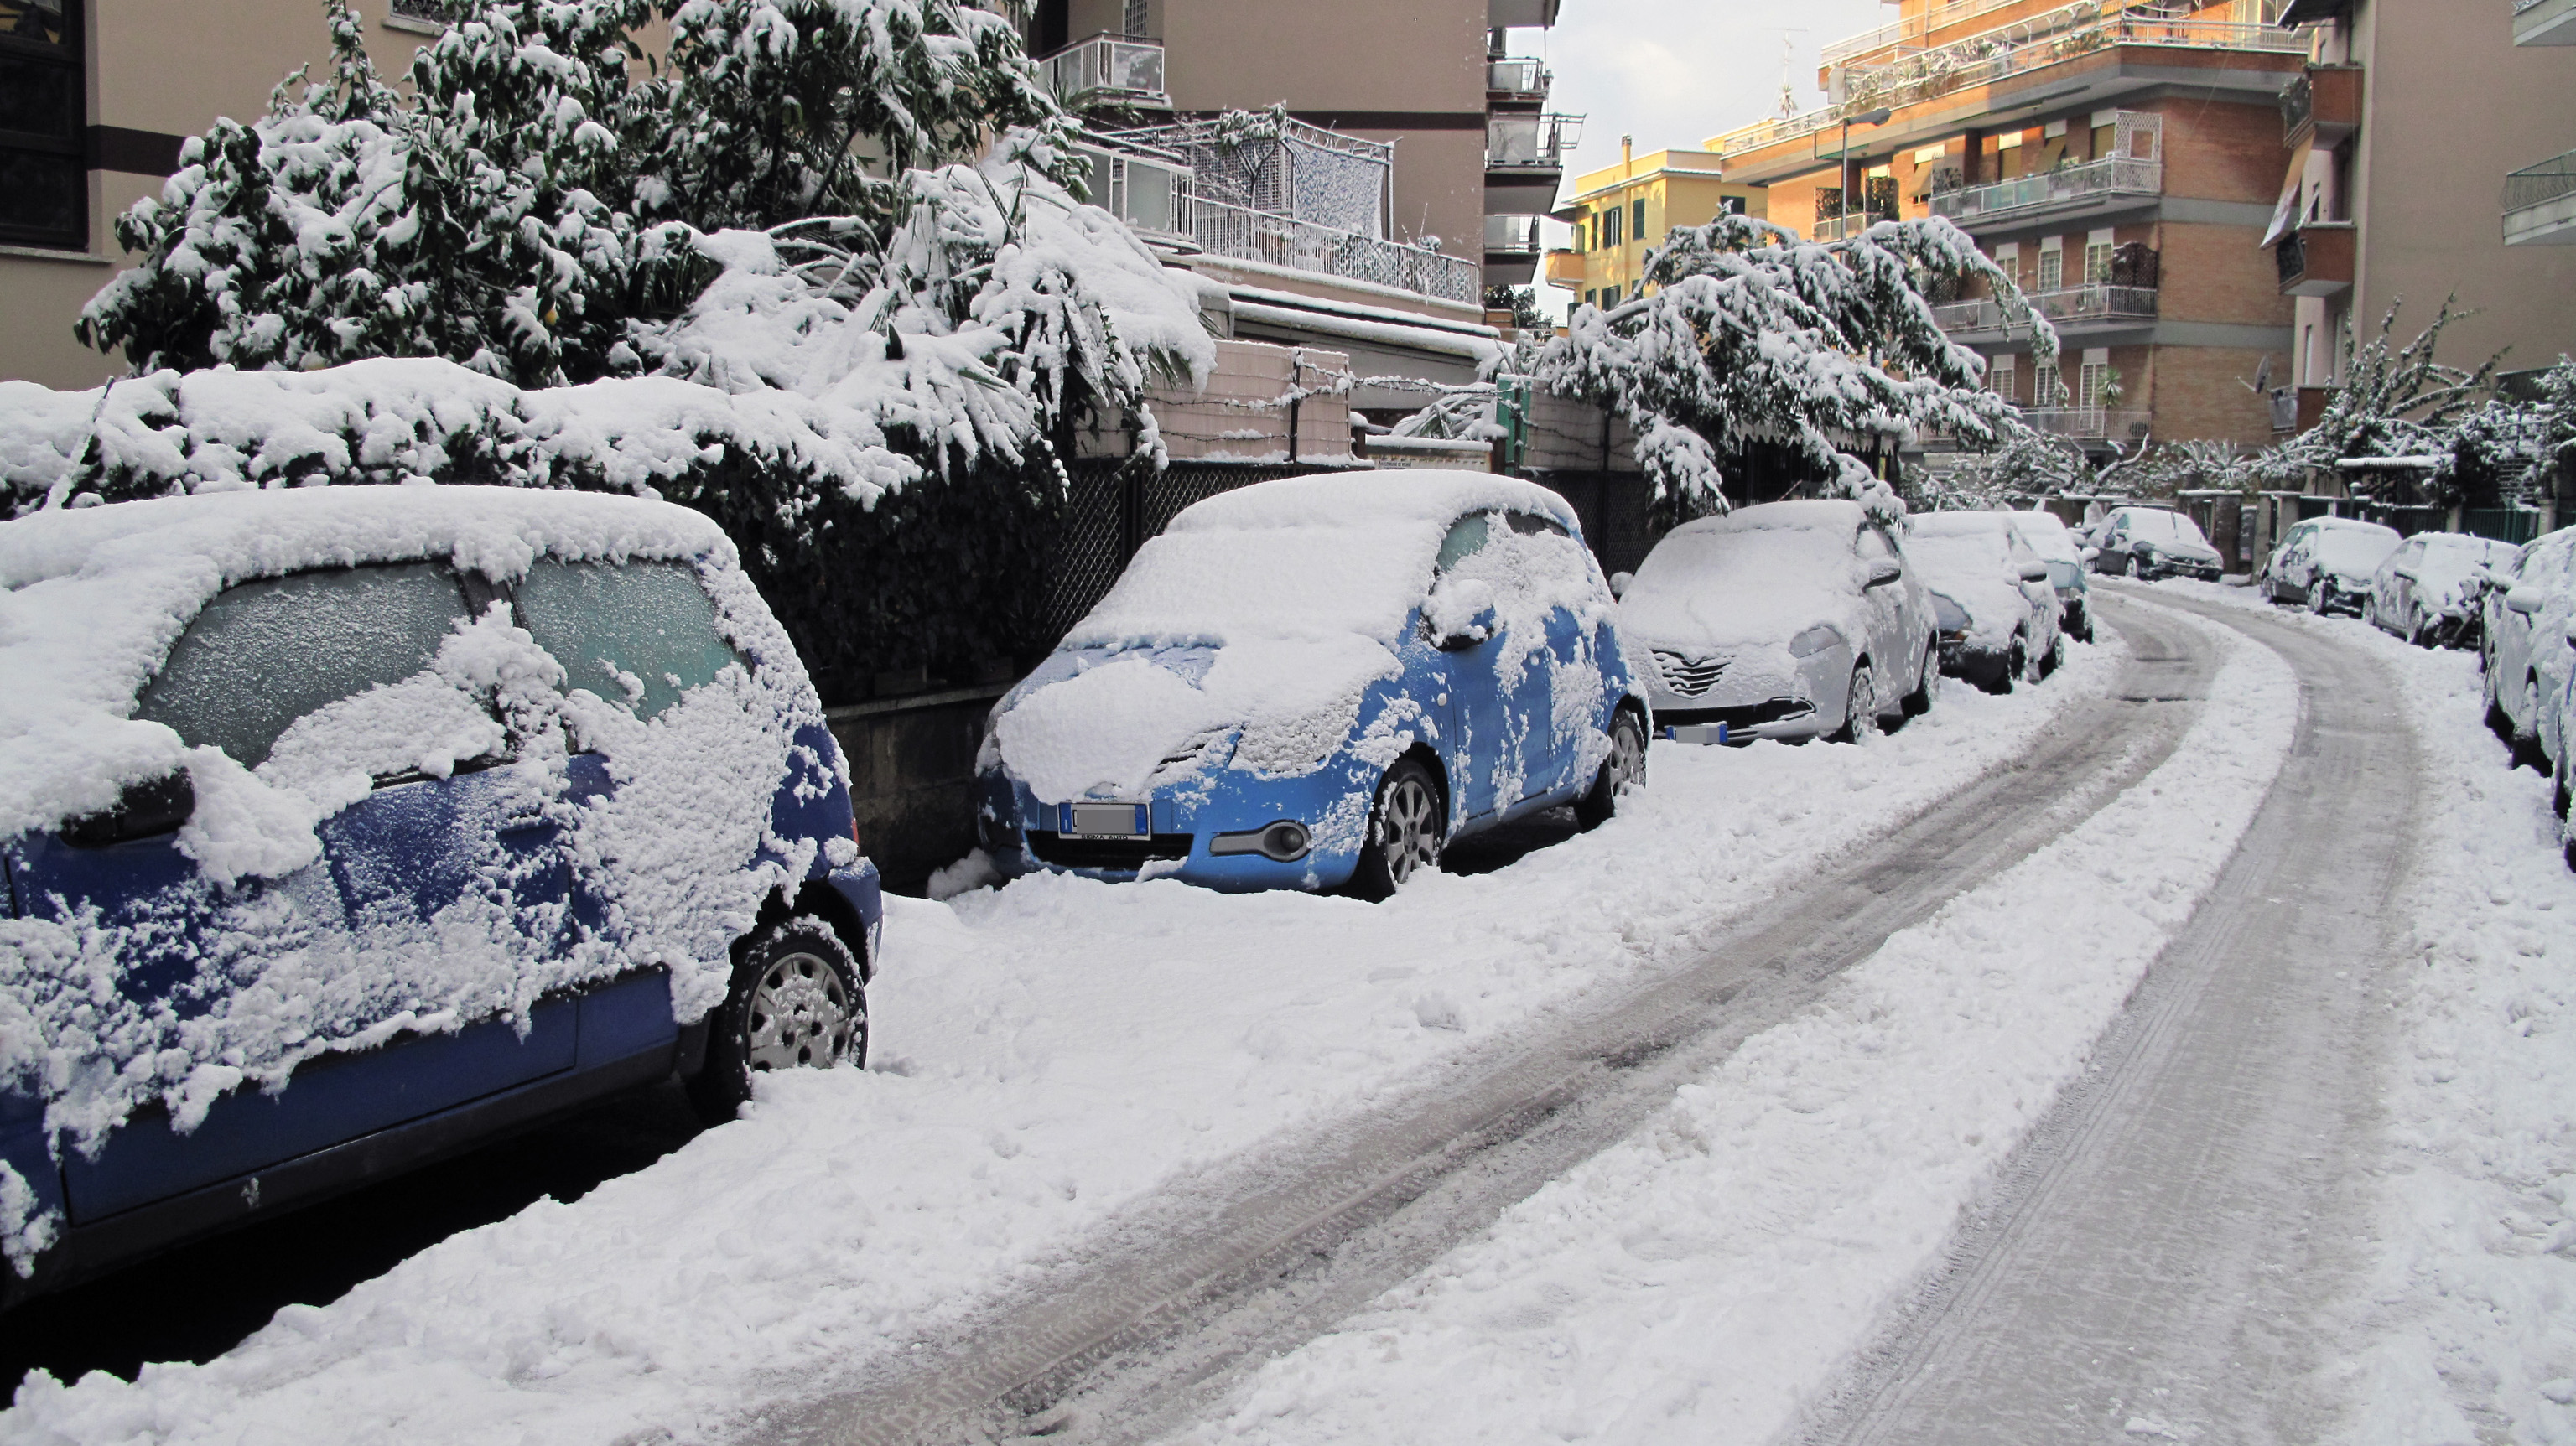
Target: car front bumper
<point>1764,693</point>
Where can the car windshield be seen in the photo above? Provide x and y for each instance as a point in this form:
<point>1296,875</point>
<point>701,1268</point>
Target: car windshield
<point>1967,556</point>
<point>638,633</point>
<point>2354,549</point>
<point>2452,554</point>
<point>2165,527</point>
<point>1764,561</point>
<point>2048,537</point>
<point>1233,584</point>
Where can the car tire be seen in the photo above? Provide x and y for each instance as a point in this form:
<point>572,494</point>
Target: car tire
<point>1927,687</point>
<point>796,1002</point>
<point>2055,660</point>
<point>2137,569</point>
<point>1406,828</point>
<point>2317,602</point>
<point>2499,722</point>
<point>1623,770</point>
<point>2564,797</point>
<point>1860,707</point>
<point>2526,745</point>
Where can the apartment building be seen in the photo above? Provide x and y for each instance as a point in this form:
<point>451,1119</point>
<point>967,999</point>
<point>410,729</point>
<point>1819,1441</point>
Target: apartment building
<point>1619,211</point>
<point>2120,158</point>
<point>2399,128</point>
<point>99,95</point>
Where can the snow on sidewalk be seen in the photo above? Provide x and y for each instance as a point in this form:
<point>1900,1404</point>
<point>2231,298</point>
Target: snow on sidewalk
<point>1706,1279</point>
<point>2465,1330</point>
<point>1046,1053</point>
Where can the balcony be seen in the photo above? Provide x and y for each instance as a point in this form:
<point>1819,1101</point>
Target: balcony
<point>2317,259</point>
<point>2073,309</point>
<point>2322,106</point>
<point>1515,236</point>
<point>2296,409</point>
<point>2090,424</point>
<point>2544,22</point>
<point>1152,191</point>
<point>2075,192</point>
<point>1909,35</point>
<point>1275,240</point>
<point>1522,144</point>
<point>2540,204</point>
<point>1107,71</point>
<point>1515,79</point>
<point>1566,269</point>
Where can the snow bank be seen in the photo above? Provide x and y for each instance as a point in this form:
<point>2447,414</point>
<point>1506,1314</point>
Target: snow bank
<point>679,856</point>
<point>1044,1054</point>
<point>1704,1280</point>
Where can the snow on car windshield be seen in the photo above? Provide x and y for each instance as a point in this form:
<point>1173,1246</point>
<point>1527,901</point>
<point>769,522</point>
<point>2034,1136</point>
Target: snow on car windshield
<point>1706,585</point>
<point>1975,570</point>
<point>2047,536</point>
<point>2357,548</point>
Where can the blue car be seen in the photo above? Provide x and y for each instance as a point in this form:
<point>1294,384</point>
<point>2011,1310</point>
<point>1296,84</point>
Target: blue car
<point>1321,682</point>
<point>349,827</point>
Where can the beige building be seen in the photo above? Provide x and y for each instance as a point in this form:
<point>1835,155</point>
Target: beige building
<point>1619,211</point>
<point>110,88</point>
<point>2408,118</point>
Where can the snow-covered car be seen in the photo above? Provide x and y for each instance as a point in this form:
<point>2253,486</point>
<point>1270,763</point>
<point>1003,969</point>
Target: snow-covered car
<point>1317,682</point>
<point>2328,563</point>
<point>1991,598</point>
<point>1788,620</point>
<point>2525,652</point>
<point>2428,590</point>
<point>2154,542</point>
<point>2064,554</point>
<point>346,827</point>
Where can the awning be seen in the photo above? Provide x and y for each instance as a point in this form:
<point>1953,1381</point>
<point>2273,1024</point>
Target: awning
<point>2309,12</point>
<point>2285,212</point>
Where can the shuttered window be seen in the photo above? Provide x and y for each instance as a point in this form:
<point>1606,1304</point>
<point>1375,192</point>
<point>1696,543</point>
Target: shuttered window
<point>44,188</point>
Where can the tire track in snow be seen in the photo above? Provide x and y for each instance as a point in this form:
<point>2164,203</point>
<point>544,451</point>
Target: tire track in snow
<point>2148,1265</point>
<point>1181,1296</point>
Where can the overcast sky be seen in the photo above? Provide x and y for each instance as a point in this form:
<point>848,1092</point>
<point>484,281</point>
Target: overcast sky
<point>1675,72</point>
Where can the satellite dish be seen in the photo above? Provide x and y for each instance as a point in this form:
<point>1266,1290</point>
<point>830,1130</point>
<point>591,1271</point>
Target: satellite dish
<point>2263,374</point>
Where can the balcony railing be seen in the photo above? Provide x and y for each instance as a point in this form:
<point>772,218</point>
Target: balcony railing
<point>1511,236</point>
<point>2317,259</point>
<point>1530,142</point>
<point>1249,235</point>
<point>2068,186</point>
<point>2089,424</point>
<point>1919,29</point>
<point>2073,304</point>
<point>1517,78</point>
<point>2541,184</point>
<point>1836,228</point>
<point>1107,70</point>
<point>2068,33</point>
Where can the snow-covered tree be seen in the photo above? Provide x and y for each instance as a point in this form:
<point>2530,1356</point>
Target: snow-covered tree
<point>1744,330</point>
<point>2397,402</point>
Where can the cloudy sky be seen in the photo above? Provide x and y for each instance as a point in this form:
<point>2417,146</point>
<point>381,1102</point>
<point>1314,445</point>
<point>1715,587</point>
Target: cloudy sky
<point>1675,72</point>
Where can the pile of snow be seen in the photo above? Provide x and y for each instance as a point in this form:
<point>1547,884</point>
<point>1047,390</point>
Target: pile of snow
<point>1044,1055</point>
<point>680,855</point>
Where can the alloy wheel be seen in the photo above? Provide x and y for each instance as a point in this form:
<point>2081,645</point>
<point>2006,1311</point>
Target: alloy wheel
<point>800,1015</point>
<point>1408,827</point>
<point>1860,715</point>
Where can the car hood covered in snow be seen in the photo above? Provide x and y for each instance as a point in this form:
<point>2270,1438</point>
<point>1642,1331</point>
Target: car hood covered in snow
<point>1974,570</point>
<point>1760,576</point>
<point>2355,550</point>
<point>1261,616</point>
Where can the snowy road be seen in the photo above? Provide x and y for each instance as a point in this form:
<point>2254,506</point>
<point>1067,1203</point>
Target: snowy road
<point>2153,1262</point>
<point>1254,1259</point>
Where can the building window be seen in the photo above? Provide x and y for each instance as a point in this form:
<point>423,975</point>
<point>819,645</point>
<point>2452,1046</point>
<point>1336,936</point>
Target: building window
<point>2000,377</point>
<point>2046,390</point>
<point>1139,20</point>
<point>1730,206</point>
<point>2097,263</point>
<point>1610,220</point>
<point>2090,382</point>
<point>1637,219</point>
<point>44,187</point>
<point>2052,269</point>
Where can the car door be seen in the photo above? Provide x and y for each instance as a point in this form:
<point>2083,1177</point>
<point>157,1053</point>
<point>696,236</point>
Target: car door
<point>1480,744</point>
<point>1891,627</point>
<point>2397,606</point>
<point>1564,704</point>
<point>419,877</point>
<point>2041,596</point>
<point>2546,641</point>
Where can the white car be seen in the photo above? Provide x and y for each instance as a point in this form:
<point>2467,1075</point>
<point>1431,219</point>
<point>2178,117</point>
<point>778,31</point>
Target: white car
<point>2526,654</point>
<point>1790,620</point>
<point>1991,598</point>
<point>2328,563</point>
<point>2427,591</point>
<point>2064,553</point>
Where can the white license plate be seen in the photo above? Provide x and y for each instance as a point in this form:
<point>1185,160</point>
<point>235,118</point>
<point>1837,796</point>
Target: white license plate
<point>1106,820</point>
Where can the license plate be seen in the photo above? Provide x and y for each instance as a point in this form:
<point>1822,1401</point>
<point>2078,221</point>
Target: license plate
<point>1106,820</point>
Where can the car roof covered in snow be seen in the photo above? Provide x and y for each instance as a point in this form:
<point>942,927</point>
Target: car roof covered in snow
<point>92,598</point>
<point>1367,499</point>
<point>1819,515</point>
<point>1960,524</point>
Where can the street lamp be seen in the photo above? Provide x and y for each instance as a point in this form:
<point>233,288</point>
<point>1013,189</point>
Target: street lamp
<point>1872,118</point>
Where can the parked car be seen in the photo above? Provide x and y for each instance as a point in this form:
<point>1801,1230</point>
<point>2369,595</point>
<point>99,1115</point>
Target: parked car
<point>349,827</point>
<point>1788,620</point>
<point>1317,682</point>
<point>2328,563</point>
<point>2428,590</point>
<point>2153,542</point>
<point>2525,652</point>
<point>1991,598</point>
<point>2065,556</point>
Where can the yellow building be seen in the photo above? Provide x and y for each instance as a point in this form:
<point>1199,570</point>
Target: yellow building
<point>1618,211</point>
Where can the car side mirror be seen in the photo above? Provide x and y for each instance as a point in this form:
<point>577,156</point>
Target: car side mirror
<point>154,806</point>
<point>1619,583</point>
<point>1460,613</point>
<point>1884,571</point>
<point>2034,572</point>
<point>2524,600</point>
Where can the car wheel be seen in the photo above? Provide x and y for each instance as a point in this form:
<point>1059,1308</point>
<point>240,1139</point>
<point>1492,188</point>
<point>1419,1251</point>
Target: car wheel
<point>2499,722</point>
<point>1406,828</point>
<point>2317,600</point>
<point>1927,687</point>
<point>2056,658</point>
<point>1860,708</point>
<point>2526,735</point>
<point>795,1003</point>
<point>1623,770</point>
<point>2370,610</point>
<point>2137,569</point>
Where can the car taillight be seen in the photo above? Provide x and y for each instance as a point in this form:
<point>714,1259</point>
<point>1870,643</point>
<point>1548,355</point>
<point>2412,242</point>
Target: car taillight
<point>854,836</point>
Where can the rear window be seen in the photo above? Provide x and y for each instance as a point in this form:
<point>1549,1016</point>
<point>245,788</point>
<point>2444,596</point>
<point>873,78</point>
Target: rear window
<point>265,653</point>
<point>638,633</point>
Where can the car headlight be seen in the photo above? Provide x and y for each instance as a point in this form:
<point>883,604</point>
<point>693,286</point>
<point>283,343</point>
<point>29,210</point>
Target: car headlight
<point>1815,640</point>
<point>1949,617</point>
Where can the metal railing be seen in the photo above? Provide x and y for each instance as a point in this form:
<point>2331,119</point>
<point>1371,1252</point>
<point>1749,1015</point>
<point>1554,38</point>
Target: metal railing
<point>2098,302</point>
<point>2093,424</point>
<point>1836,228</point>
<point>1248,235</point>
<point>1530,142</point>
<point>1511,236</point>
<point>1112,68</point>
<point>2298,102</point>
<point>1517,77</point>
<point>2291,256</point>
<point>2285,409</point>
<point>1920,28</point>
<point>2541,184</point>
<point>2114,176</point>
<point>2061,35</point>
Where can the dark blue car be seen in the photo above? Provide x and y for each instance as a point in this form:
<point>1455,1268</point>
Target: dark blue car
<point>349,827</point>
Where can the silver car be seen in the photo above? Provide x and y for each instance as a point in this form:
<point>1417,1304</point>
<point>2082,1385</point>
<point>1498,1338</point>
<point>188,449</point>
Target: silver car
<point>2427,591</point>
<point>2064,553</point>
<point>2526,653</point>
<point>1790,620</point>
<point>1991,598</point>
<point>2328,563</point>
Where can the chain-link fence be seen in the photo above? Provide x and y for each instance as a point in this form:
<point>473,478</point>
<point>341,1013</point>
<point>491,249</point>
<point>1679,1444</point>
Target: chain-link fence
<point>1115,506</point>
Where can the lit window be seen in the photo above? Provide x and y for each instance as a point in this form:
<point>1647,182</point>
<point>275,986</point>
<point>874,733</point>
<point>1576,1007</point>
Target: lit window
<point>44,188</point>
